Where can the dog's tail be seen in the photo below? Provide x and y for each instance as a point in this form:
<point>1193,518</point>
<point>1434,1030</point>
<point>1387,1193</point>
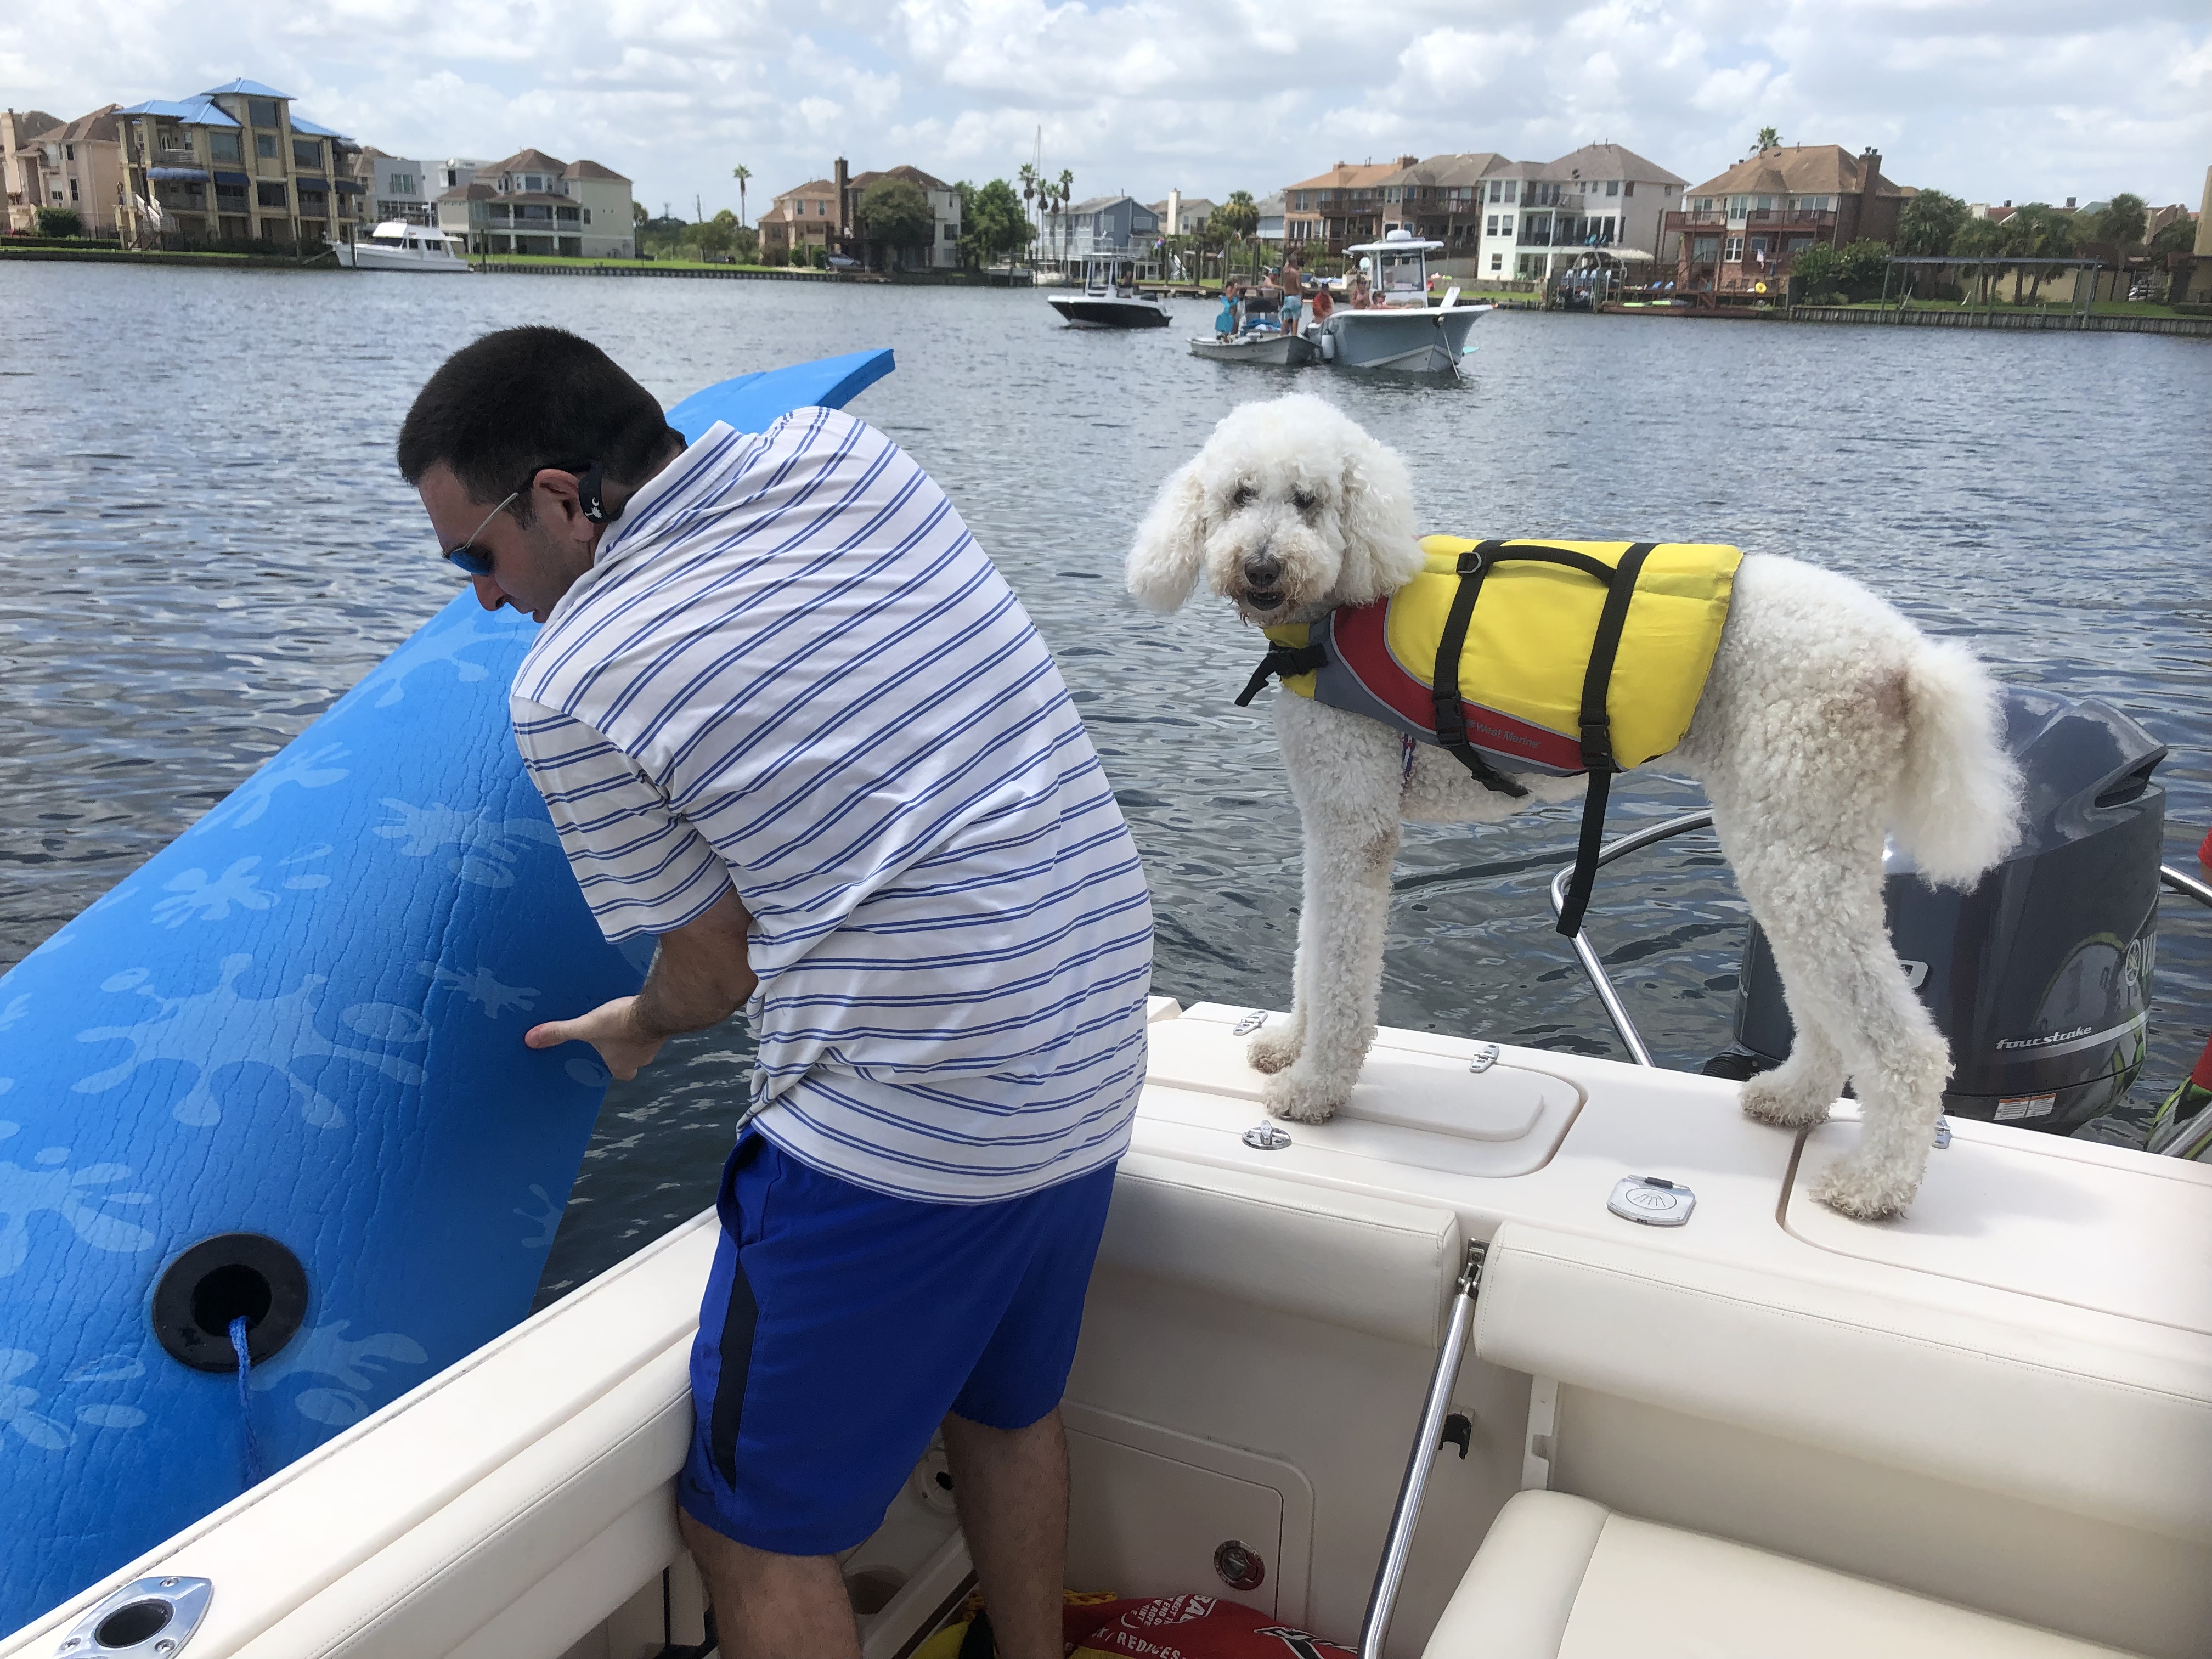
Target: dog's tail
<point>1957,807</point>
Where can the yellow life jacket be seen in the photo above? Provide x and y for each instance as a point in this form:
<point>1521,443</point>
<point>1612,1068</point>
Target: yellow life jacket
<point>1580,657</point>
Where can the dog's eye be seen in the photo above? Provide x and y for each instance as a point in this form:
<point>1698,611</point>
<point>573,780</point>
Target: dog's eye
<point>1304,500</point>
<point>1244,496</point>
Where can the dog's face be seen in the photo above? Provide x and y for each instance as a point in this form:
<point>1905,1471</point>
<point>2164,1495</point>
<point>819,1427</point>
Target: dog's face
<point>1289,510</point>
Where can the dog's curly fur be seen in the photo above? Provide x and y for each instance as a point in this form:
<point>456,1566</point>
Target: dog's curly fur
<point>1827,720</point>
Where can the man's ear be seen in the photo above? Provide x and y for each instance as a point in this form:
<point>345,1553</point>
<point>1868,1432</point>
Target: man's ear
<point>554,496</point>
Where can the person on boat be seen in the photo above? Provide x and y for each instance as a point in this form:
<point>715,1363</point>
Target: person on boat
<point>1226,325</point>
<point>791,725</point>
<point>1358,297</point>
<point>1324,303</point>
<point>1293,289</point>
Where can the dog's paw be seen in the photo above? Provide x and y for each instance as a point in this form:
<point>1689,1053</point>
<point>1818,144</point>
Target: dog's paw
<point>1786,1102</point>
<point>1300,1099</point>
<point>1864,1192</point>
<point>1276,1048</point>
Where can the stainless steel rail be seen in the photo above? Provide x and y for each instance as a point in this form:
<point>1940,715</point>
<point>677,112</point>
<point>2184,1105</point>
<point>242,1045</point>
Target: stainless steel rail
<point>2189,886</point>
<point>1398,1544</point>
<point>1615,1009</point>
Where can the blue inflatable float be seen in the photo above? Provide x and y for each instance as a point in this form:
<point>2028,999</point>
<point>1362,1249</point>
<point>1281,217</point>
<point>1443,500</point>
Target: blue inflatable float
<point>278,1075</point>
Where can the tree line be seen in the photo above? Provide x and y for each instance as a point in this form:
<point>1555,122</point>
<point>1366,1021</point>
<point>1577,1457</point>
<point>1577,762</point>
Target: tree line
<point>1934,224</point>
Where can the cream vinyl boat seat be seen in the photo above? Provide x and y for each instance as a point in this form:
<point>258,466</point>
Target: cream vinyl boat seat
<point>1561,1577</point>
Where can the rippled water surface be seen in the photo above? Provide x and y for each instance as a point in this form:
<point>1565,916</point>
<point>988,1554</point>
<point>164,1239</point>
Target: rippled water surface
<point>207,542</point>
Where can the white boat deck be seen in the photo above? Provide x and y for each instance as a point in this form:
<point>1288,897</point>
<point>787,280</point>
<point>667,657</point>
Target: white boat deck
<point>2004,1402</point>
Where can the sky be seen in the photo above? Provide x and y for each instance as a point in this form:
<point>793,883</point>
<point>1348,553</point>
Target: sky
<point>1991,100</point>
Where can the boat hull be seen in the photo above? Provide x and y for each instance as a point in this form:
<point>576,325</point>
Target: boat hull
<point>1098,311</point>
<point>1411,339</point>
<point>368,256</point>
<point>1272,350</point>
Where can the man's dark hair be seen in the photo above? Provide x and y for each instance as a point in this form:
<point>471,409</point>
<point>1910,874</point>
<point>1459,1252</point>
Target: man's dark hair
<point>500,409</point>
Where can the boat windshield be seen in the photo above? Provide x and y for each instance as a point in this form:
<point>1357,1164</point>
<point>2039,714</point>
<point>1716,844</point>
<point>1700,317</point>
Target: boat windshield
<point>1399,272</point>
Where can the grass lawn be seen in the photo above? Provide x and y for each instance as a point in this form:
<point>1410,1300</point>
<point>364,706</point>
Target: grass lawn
<point>180,256</point>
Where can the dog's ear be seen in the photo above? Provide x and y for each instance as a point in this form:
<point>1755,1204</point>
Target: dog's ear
<point>1381,543</point>
<point>1163,561</point>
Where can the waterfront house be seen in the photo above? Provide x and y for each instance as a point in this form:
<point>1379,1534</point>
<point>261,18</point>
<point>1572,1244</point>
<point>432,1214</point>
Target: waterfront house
<point>73,165</point>
<point>1440,198</point>
<point>1102,226</point>
<point>21,160</point>
<point>943,251</point>
<point>1538,218</point>
<point>396,188</point>
<point>536,204</point>
<point>235,164</point>
<point>1274,219</point>
<point>803,217</point>
<point>1741,231</point>
<point>455,173</point>
<point>1184,215</point>
<point>1342,206</point>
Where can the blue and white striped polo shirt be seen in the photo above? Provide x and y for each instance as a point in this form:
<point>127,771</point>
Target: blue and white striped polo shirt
<point>792,672</point>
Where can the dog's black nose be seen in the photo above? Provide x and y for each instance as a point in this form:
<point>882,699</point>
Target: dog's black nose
<point>1262,571</point>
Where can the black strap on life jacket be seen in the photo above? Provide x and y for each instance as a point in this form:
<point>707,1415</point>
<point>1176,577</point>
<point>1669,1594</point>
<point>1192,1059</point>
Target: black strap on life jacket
<point>1451,711</point>
<point>1598,732</point>
<point>1594,719</point>
<point>1283,660</point>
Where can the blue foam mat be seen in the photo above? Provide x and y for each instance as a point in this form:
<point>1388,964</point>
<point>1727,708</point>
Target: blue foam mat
<point>303,1018</point>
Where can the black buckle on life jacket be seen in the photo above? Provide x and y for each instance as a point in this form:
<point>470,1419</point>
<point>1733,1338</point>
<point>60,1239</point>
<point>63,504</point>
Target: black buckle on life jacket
<point>1597,745</point>
<point>1281,661</point>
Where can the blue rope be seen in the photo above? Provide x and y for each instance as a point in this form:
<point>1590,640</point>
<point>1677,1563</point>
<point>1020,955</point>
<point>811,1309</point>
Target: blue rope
<point>245,1401</point>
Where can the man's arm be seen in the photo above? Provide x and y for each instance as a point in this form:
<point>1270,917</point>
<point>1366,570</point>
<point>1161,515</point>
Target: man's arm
<point>700,977</point>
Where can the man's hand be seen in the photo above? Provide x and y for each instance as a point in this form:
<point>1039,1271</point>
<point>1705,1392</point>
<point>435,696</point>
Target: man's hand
<point>700,977</point>
<point>611,1028</point>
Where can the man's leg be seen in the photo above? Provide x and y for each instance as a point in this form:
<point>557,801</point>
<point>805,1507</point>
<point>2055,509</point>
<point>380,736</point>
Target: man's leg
<point>1011,1488</point>
<point>774,1607</point>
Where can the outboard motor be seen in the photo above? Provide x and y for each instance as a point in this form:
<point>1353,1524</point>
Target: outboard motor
<point>2040,977</point>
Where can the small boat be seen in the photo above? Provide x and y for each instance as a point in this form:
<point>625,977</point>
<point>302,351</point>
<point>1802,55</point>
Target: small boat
<point>1269,346</point>
<point>1400,330</point>
<point>395,245</point>
<point>1109,298</point>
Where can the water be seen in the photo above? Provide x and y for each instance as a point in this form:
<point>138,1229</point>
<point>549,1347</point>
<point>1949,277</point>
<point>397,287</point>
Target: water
<point>208,543</point>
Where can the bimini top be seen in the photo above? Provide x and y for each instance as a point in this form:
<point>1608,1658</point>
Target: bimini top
<point>399,230</point>
<point>1398,241</point>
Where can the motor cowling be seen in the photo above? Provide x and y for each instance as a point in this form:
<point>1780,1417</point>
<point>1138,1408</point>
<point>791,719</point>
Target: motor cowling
<point>2040,976</point>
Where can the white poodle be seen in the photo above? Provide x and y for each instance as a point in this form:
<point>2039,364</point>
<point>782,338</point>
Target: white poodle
<point>1826,720</point>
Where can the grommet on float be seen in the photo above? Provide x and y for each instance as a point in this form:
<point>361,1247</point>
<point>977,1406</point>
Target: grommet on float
<point>229,1276</point>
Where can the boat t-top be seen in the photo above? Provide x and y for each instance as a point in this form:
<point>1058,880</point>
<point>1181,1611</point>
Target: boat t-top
<point>1398,328</point>
<point>1109,298</point>
<point>395,245</point>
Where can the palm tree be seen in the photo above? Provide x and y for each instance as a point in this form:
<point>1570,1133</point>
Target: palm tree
<point>1029,177</point>
<point>741,172</point>
<point>1769,138</point>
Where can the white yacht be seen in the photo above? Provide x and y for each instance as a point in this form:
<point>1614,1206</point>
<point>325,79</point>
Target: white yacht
<point>1399,330</point>
<point>395,245</point>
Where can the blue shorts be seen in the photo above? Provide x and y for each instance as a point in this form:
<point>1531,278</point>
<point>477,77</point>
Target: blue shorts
<point>839,1325</point>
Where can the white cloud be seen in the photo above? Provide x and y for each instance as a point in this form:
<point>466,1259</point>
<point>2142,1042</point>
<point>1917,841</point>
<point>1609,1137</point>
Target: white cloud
<point>2036,98</point>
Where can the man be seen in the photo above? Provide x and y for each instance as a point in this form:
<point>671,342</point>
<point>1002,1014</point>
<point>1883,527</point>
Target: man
<point>788,719</point>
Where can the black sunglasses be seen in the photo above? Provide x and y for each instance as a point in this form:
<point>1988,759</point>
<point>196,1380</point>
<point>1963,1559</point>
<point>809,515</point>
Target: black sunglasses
<point>590,475</point>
